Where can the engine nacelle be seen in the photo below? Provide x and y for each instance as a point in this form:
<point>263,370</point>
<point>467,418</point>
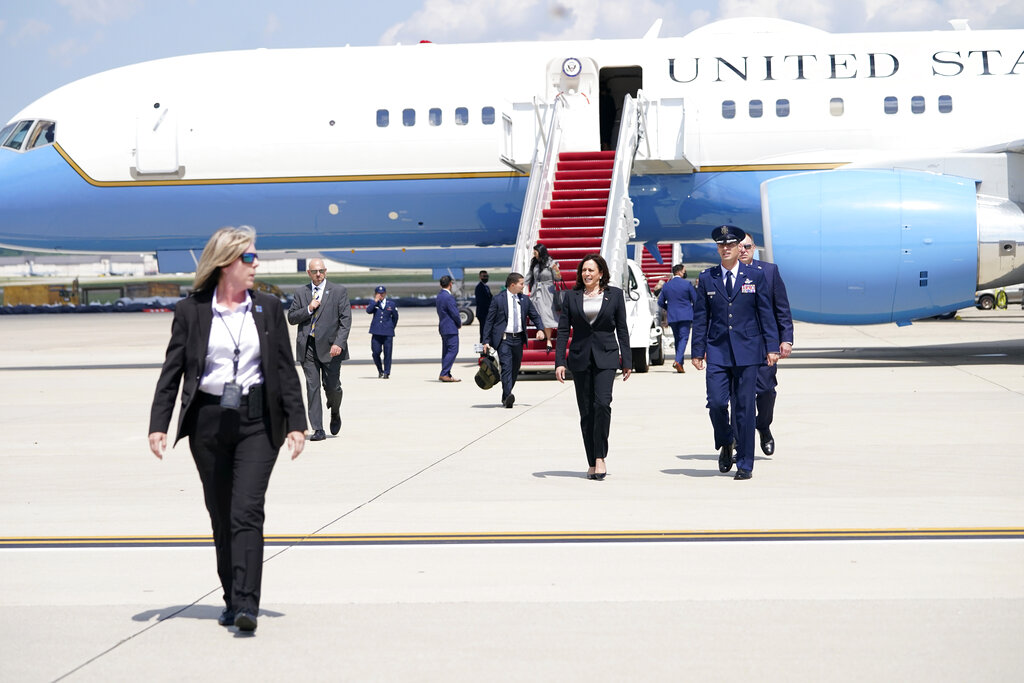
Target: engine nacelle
<point>872,246</point>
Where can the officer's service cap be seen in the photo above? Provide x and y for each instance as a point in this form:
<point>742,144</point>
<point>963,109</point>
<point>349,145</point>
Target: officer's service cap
<point>727,234</point>
<point>380,289</point>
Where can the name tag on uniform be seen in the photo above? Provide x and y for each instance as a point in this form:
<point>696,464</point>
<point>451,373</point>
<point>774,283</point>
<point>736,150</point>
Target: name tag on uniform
<point>748,289</point>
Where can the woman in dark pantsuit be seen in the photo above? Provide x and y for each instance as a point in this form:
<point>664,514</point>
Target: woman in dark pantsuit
<point>596,312</point>
<point>240,400</point>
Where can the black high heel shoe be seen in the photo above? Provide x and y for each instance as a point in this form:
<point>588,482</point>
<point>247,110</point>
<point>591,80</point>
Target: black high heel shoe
<point>549,348</point>
<point>600,476</point>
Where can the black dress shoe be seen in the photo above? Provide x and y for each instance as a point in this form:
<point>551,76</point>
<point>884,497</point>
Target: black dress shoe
<point>725,458</point>
<point>743,474</point>
<point>385,376</point>
<point>380,375</point>
<point>767,441</point>
<point>509,400</point>
<point>335,421</point>
<point>318,435</point>
<point>227,617</point>
<point>245,621</point>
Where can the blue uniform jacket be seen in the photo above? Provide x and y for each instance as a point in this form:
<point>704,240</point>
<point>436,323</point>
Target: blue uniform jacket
<point>740,330</point>
<point>497,318</point>
<point>385,317</point>
<point>780,300</point>
<point>448,320</point>
<point>677,298</point>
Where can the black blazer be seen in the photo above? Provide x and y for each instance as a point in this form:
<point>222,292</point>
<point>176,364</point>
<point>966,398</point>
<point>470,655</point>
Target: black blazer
<point>603,345</point>
<point>186,356</point>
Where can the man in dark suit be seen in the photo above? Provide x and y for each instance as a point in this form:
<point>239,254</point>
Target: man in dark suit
<point>382,330</point>
<point>448,324</point>
<point>483,301</point>
<point>324,316</point>
<point>766,374</point>
<point>677,297</point>
<point>734,331</point>
<point>506,332</point>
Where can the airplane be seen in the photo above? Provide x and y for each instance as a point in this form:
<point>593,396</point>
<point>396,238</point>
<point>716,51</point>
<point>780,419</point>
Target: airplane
<point>882,172</point>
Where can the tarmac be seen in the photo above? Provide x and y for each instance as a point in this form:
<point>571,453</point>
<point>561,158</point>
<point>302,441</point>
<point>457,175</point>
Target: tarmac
<point>442,537</point>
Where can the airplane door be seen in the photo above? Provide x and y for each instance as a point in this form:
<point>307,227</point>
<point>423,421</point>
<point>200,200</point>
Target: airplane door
<point>576,79</point>
<point>156,139</point>
<point>616,82</point>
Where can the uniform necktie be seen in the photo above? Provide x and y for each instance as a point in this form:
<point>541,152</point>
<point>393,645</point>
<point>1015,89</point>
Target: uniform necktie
<point>728,282</point>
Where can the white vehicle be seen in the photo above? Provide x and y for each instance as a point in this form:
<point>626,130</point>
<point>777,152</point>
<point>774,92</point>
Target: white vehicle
<point>643,320</point>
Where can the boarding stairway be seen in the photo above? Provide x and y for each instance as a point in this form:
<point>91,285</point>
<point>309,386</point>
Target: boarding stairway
<point>654,271</point>
<point>577,204</point>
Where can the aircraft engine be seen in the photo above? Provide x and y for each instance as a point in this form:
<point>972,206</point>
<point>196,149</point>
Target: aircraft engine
<point>873,246</point>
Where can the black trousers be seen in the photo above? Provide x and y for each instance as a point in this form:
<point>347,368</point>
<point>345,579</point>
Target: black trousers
<point>594,399</point>
<point>510,355</point>
<point>234,457</point>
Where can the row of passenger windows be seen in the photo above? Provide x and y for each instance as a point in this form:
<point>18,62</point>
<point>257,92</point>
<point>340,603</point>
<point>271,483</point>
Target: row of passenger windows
<point>23,135</point>
<point>435,117</point>
<point>836,106</point>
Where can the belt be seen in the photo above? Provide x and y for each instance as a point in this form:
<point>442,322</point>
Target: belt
<point>204,399</point>
<point>513,335</point>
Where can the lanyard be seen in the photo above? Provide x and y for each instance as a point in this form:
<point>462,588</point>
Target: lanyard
<point>237,342</point>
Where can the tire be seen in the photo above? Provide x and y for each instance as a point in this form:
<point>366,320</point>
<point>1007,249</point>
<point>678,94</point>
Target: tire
<point>658,353</point>
<point>466,316</point>
<point>640,360</point>
<point>986,302</point>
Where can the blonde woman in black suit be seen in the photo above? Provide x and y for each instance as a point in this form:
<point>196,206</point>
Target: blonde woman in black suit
<point>240,400</point>
<point>596,313</point>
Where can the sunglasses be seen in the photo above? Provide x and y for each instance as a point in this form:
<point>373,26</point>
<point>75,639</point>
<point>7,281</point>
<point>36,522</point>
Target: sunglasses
<point>249,256</point>
<point>746,247</point>
<point>317,270</point>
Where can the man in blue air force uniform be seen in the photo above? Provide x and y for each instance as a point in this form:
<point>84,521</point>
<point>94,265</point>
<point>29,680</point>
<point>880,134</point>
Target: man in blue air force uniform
<point>382,330</point>
<point>766,374</point>
<point>505,330</point>
<point>734,331</point>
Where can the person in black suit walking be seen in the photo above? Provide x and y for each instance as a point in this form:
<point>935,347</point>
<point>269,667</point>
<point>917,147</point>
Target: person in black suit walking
<point>483,301</point>
<point>240,401</point>
<point>596,313</point>
<point>506,332</point>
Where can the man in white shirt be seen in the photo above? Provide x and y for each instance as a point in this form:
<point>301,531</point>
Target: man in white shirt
<point>505,330</point>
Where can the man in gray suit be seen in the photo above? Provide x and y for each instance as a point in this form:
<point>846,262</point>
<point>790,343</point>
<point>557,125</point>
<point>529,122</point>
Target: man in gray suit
<point>324,316</point>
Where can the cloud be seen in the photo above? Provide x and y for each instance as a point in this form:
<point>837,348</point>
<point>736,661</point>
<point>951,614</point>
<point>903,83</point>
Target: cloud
<point>101,11</point>
<point>30,31</point>
<point>472,21</point>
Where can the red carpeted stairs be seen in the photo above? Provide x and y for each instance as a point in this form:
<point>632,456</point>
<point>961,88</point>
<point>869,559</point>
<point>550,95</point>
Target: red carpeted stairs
<point>657,271</point>
<point>573,225</point>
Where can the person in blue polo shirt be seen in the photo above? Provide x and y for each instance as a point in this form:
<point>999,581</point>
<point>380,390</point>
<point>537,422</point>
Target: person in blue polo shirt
<point>382,329</point>
<point>734,333</point>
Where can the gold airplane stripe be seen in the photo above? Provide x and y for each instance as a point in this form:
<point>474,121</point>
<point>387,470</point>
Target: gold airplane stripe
<point>394,176</point>
<point>530,537</point>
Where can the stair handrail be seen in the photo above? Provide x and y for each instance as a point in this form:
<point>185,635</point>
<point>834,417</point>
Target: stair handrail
<point>619,223</point>
<point>538,190</point>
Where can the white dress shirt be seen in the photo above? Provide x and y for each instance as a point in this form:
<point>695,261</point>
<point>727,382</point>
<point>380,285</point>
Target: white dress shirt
<point>226,328</point>
<point>515,315</point>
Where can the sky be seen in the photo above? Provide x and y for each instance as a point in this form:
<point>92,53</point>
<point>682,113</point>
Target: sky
<point>47,43</point>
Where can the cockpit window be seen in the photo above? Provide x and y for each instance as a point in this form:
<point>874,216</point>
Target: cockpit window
<point>42,134</point>
<point>20,131</point>
<point>6,132</point>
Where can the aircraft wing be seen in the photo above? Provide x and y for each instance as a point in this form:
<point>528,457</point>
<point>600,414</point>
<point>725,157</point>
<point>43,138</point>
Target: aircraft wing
<point>1015,147</point>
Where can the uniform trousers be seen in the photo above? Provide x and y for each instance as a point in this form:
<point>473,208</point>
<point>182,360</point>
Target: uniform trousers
<point>381,343</point>
<point>765,395</point>
<point>510,356</point>
<point>594,399</point>
<point>235,457</point>
<point>733,384</point>
<point>317,373</point>
<point>681,334</point>
<point>449,350</point>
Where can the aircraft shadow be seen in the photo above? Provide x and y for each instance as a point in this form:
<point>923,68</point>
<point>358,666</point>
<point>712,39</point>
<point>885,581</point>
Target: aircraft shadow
<point>1003,352</point>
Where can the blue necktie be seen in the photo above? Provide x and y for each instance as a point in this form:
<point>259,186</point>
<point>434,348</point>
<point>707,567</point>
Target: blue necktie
<point>728,282</point>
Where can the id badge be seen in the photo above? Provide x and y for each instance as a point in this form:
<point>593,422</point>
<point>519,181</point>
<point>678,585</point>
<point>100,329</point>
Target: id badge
<point>232,396</point>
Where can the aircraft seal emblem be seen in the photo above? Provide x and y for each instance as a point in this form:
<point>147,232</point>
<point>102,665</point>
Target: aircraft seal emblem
<point>572,67</point>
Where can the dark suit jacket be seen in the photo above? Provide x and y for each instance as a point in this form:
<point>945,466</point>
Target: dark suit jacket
<point>605,344</point>
<point>483,300</point>
<point>448,320</point>
<point>333,320</point>
<point>779,297</point>
<point>497,318</point>
<point>736,330</point>
<point>677,297</point>
<point>185,362</point>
